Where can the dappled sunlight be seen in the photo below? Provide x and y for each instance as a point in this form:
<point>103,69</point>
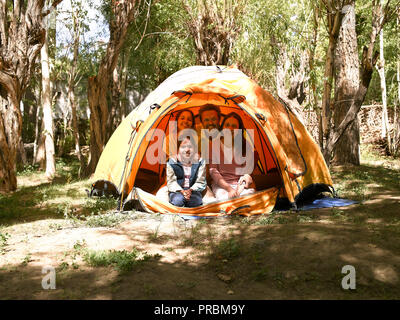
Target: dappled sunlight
<point>285,255</point>
<point>33,180</point>
<point>348,258</point>
<point>315,236</point>
<point>386,274</point>
<point>207,259</point>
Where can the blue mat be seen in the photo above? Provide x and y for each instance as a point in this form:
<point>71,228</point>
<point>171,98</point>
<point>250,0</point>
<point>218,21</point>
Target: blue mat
<point>327,202</point>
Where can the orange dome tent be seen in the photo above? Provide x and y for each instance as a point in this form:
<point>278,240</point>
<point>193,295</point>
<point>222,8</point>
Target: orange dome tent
<point>291,163</point>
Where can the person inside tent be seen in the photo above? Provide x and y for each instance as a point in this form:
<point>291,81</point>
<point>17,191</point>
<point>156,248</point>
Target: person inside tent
<point>184,119</point>
<point>186,175</point>
<point>210,118</point>
<point>232,166</point>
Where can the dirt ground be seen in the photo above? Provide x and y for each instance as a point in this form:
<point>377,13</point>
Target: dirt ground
<point>290,255</point>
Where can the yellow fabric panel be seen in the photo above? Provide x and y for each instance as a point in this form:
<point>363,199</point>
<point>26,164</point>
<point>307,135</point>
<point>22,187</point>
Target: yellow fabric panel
<point>112,159</point>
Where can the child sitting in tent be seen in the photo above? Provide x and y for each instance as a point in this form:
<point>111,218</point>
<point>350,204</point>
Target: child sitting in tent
<point>186,175</point>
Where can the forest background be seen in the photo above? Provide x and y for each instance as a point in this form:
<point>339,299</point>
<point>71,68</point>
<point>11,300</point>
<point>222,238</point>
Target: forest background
<point>71,70</point>
<point>74,72</point>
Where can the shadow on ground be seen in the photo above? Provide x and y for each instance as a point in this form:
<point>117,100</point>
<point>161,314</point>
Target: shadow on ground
<point>234,259</point>
<point>292,255</point>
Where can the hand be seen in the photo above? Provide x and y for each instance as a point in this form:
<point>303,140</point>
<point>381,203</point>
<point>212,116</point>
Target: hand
<point>246,179</point>
<point>240,188</point>
<point>187,193</point>
<point>232,193</point>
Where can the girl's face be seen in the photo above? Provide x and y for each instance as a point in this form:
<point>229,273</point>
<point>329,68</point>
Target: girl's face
<point>186,150</point>
<point>231,124</point>
<point>185,120</point>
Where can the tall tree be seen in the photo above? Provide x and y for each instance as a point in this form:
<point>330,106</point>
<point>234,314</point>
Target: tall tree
<point>213,27</point>
<point>346,75</point>
<point>77,15</point>
<point>47,110</point>
<point>380,66</point>
<point>122,15</point>
<point>349,96</point>
<point>22,35</point>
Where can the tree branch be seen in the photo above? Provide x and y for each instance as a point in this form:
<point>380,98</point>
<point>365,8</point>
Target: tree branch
<point>52,7</point>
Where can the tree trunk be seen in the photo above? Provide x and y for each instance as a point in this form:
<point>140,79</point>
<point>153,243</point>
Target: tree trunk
<point>98,86</point>
<point>10,127</point>
<point>396,121</point>
<point>38,135</point>
<point>75,127</point>
<point>47,112</point>
<point>40,156</point>
<point>115,107</point>
<point>124,78</point>
<point>21,35</point>
<point>294,96</point>
<point>334,22</point>
<point>71,90</point>
<point>313,82</point>
<point>368,62</point>
<point>346,85</point>
<point>381,71</point>
<point>97,97</point>
<point>213,45</point>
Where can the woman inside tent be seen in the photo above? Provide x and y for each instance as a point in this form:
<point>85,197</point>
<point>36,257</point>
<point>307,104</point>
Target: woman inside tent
<point>233,165</point>
<point>184,119</point>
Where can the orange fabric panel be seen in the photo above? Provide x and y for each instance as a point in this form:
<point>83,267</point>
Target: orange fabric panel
<point>252,204</point>
<point>260,140</point>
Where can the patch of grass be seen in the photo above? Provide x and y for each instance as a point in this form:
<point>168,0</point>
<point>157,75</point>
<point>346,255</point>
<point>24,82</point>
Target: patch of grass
<point>368,153</point>
<point>14,206</point>
<point>79,245</point>
<point>154,237</point>
<point>26,260</point>
<point>338,215</point>
<point>107,220</point>
<point>260,274</point>
<point>68,170</point>
<point>64,209</point>
<point>123,260</point>
<point>265,219</point>
<point>55,226</point>
<point>279,279</point>
<point>28,170</point>
<point>271,218</point>
<point>304,218</point>
<point>3,241</point>
<point>99,204</point>
<point>228,249</point>
<point>194,235</point>
<point>63,266</point>
<point>37,198</point>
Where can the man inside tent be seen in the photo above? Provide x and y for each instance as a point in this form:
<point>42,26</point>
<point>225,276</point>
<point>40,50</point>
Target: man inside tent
<point>210,118</point>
